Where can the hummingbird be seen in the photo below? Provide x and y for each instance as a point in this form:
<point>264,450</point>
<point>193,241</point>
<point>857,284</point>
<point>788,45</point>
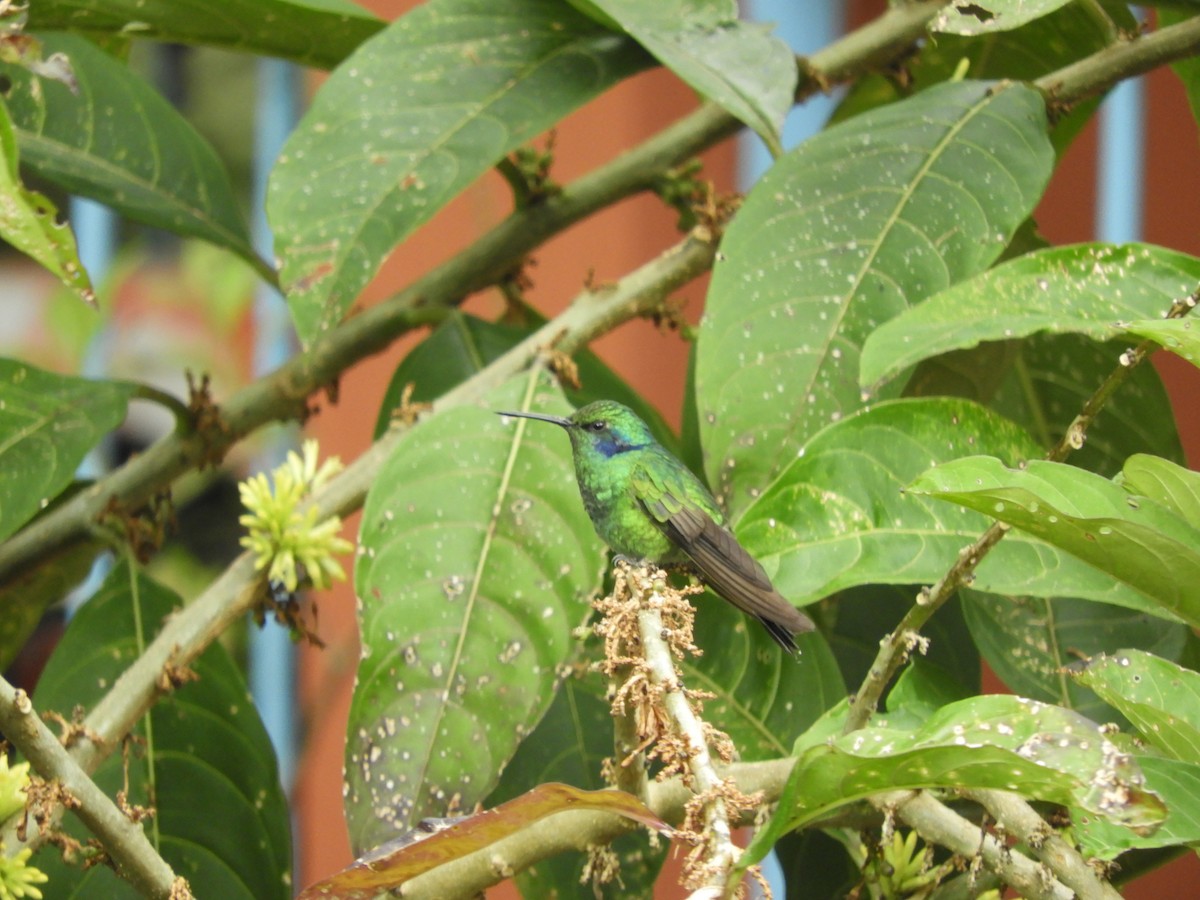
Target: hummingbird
<point>647,505</point>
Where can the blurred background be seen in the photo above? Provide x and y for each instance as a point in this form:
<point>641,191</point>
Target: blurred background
<point>171,306</point>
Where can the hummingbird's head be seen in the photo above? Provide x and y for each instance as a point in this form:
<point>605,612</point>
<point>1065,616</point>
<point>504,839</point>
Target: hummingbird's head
<point>601,429</point>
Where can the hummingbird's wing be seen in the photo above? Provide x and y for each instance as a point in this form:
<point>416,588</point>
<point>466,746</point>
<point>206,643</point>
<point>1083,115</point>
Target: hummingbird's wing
<point>722,563</point>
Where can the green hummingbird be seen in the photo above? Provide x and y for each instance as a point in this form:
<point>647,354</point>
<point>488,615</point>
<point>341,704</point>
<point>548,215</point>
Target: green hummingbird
<point>647,505</point>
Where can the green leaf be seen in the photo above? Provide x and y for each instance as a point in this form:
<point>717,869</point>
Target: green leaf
<point>311,32</point>
<point>1029,642</point>
<point>1092,289</point>
<point>50,423</point>
<point>222,817</point>
<point>737,65</point>
<point>925,192</point>
<point>1160,698</point>
<point>1176,781</point>
<point>29,222</point>
<point>1175,487</point>
<point>1052,377</point>
<point>119,142</point>
<point>985,16</point>
<point>464,345</point>
<point>997,741</point>
<point>476,562</point>
<point>840,516</point>
<point>409,120</point>
<point>1137,541</point>
<point>1180,336</point>
<point>763,699</point>
<point>569,745</point>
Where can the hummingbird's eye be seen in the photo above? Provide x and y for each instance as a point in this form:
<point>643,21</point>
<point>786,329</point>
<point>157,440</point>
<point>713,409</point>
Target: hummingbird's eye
<point>597,426</point>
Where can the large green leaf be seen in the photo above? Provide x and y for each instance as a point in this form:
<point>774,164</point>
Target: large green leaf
<point>1030,642</point>
<point>476,562</point>
<point>1160,698</point>
<point>409,120</point>
<point>839,515</point>
<point>997,741</point>
<point>854,226</point>
<point>1092,289</point>
<point>737,65</point>
<point>1174,486</point>
<point>118,141</point>
<point>29,222</point>
<point>222,818</point>
<point>1137,541</point>
<point>464,345</point>
<point>313,32</point>
<point>49,423</point>
<point>569,745</point>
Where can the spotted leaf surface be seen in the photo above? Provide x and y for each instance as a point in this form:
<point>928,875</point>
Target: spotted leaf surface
<point>840,515</point>
<point>312,32</point>
<point>476,562</point>
<point>416,114</point>
<point>1138,542</point>
<point>49,423</point>
<point>221,814</point>
<point>119,142</point>
<point>996,741</point>
<point>1160,698</point>
<point>735,64</point>
<point>1091,289</point>
<point>846,231</point>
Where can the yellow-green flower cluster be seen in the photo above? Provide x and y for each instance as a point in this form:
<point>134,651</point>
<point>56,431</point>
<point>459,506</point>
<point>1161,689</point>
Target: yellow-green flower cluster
<point>282,536</point>
<point>17,879</point>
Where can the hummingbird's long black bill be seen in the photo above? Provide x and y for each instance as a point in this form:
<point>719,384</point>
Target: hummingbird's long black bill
<point>557,420</point>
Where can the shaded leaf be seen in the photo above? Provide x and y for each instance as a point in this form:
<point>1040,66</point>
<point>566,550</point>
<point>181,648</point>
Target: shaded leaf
<point>312,32</point>
<point>410,119</point>
<point>464,345</point>
<point>1030,641</point>
<point>476,561</point>
<point>840,515</point>
<point>50,423</point>
<point>995,741</point>
<point>1138,542</point>
<point>1161,699</point>
<point>569,745</point>
<point>737,65</point>
<point>984,16</point>
<point>1092,289</point>
<point>119,142</point>
<point>29,222</point>
<point>397,861</point>
<point>844,232</point>
<point>222,818</point>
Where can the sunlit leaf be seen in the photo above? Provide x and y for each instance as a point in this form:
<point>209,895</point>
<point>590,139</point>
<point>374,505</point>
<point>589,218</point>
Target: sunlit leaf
<point>1178,783</point>
<point>983,16</point>
<point>416,114</point>
<point>1137,541</point>
<point>852,227</point>
<point>476,562</point>
<point>221,817</point>
<point>1091,289</point>
<point>1180,336</point>
<point>50,423</point>
<point>1174,486</point>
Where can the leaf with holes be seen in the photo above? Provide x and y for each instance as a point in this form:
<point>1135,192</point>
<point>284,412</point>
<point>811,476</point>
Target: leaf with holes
<point>50,423</point>
<point>852,227</point>
<point>1091,289</point>
<point>1029,642</point>
<point>1160,698</point>
<point>1178,782</point>
<point>29,222</point>
<point>221,815</point>
<point>1138,542</point>
<point>416,114</point>
<point>119,142</point>
<point>311,32</point>
<point>987,16</point>
<point>840,515</point>
<point>998,741</point>
<point>476,562</point>
<point>737,65</point>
